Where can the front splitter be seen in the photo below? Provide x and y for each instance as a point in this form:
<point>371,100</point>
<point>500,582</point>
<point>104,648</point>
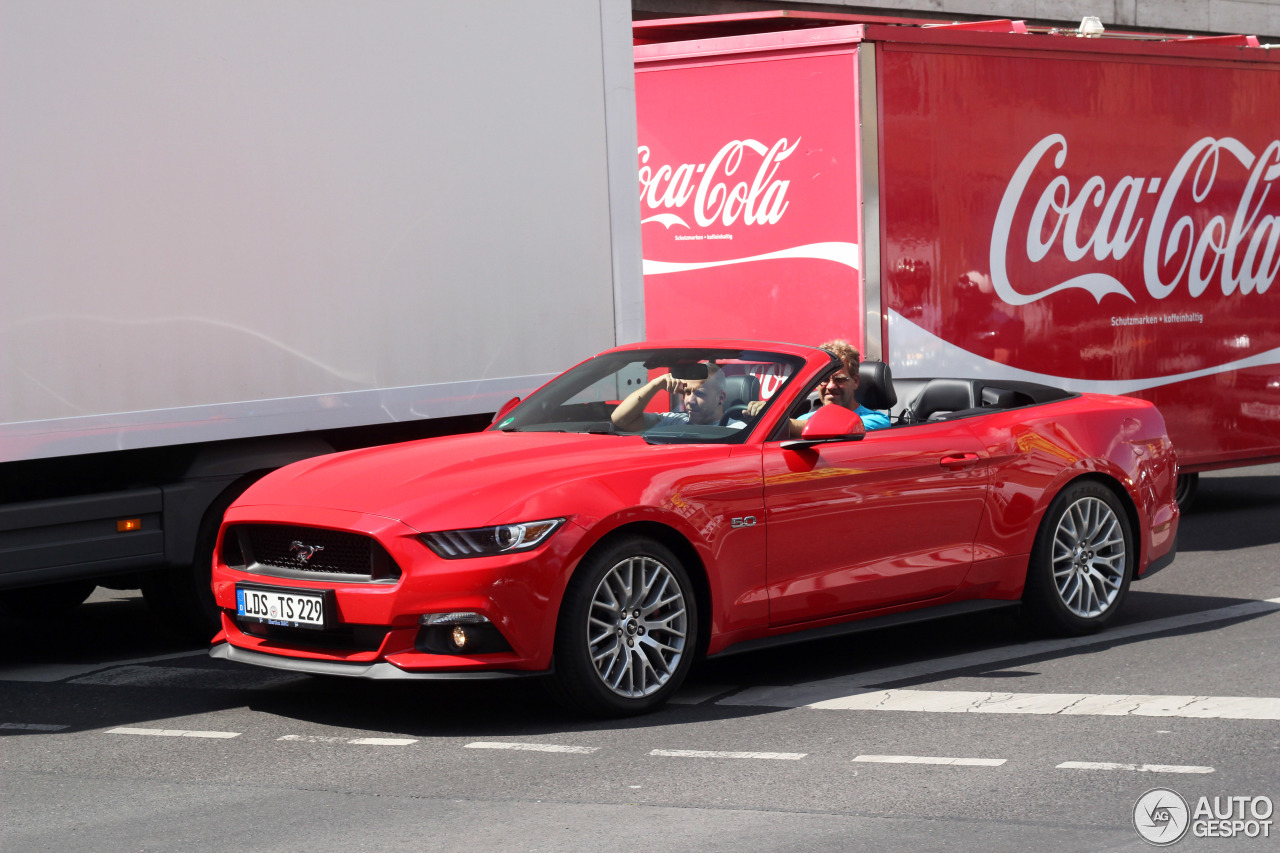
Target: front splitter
<point>378,671</point>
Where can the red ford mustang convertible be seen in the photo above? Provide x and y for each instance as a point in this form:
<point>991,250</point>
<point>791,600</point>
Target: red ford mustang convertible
<point>660,502</point>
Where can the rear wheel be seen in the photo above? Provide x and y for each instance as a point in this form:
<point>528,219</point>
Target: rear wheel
<point>1186,490</point>
<point>1081,563</point>
<point>627,631</point>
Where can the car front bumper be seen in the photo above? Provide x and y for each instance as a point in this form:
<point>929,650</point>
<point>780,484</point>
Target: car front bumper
<point>519,594</point>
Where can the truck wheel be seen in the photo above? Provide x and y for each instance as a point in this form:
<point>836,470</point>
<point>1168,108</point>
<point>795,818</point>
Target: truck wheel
<point>1081,563</point>
<point>182,596</point>
<point>628,628</point>
<point>43,601</point>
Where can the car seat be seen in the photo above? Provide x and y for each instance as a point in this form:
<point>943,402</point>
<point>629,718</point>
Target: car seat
<point>942,396</point>
<point>875,386</point>
<point>738,391</point>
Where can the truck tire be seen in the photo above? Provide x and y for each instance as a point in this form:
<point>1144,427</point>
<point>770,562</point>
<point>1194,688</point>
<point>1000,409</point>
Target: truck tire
<point>1081,563</point>
<point>182,596</point>
<point>628,630</point>
<point>35,602</point>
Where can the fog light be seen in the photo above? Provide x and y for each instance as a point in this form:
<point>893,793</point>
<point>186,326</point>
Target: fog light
<point>459,632</point>
<point>453,618</point>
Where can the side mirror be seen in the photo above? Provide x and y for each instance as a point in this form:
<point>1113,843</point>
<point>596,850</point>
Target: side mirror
<point>506,407</point>
<point>829,423</point>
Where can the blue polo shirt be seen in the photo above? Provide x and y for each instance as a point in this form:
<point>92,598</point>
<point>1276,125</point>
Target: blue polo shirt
<point>871,419</point>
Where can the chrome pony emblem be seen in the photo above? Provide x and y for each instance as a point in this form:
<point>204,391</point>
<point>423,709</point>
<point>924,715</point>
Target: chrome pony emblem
<point>305,552</point>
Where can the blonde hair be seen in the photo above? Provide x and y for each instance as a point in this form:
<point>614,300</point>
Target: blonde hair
<point>844,351</point>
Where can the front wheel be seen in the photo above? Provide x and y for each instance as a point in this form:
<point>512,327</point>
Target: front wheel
<point>1081,563</point>
<point>627,631</point>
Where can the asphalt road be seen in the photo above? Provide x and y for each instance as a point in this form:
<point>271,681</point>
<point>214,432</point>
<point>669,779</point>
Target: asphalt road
<point>965,734</point>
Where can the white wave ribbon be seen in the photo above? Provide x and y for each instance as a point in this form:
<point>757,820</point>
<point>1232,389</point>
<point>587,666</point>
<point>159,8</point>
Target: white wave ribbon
<point>947,359</point>
<point>846,254</point>
<point>666,220</point>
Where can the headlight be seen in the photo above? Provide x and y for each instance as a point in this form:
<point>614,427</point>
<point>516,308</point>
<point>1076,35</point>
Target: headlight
<point>487,541</point>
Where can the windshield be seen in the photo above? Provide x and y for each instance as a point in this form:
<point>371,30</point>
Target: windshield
<point>670,396</point>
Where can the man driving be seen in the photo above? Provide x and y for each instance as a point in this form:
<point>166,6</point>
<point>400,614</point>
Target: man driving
<point>703,403</point>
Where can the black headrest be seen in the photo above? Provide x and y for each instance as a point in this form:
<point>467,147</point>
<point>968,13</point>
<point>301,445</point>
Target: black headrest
<point>875,386</point>
<point>739,390</point>
<point>999,398</point>
<point>943,395</point>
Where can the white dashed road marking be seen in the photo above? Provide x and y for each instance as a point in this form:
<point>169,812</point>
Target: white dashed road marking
<point>1066,704</point>
<point>533,747</point>
<point>1140,768</point>
<point>126,730</point>
<point>33,727</point>
<point>664,753</point>
<point>382,741</point>
<point>925,759</point>
<point>698,753</point>
<point>360,741</point>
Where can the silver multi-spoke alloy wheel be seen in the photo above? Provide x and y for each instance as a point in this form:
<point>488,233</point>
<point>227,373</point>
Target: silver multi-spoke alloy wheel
<point>1089,557</point>
<point>637,624</point>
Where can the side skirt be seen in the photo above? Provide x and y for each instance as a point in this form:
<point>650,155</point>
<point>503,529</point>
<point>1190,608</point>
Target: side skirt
<point>924,614</point>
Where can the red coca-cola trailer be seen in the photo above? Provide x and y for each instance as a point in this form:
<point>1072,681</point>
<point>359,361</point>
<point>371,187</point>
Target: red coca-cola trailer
<point>980,199</point>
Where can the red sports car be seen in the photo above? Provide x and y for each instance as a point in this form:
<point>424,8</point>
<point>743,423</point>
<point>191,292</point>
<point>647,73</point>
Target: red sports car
<point>660,502</point>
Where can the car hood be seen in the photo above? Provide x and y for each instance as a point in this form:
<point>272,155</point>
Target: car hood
<point>459,481</point>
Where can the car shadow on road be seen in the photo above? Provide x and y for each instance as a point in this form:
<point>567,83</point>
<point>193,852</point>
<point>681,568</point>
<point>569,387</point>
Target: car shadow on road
<point>1231,512</point>
<point>521,709</point>
<point>116,632</point>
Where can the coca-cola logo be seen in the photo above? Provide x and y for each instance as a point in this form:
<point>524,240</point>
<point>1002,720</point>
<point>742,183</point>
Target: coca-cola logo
<point>719,199</point>
<point>1192,237</point>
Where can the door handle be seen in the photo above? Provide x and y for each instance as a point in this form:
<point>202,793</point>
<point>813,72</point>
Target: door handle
<point>955,461</point>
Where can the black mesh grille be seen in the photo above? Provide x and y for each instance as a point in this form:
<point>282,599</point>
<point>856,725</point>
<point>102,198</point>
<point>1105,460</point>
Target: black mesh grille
<point>314,550</point>
<point>363,638</point>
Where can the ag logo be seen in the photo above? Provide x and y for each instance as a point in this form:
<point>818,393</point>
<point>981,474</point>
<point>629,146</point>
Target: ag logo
<point>1161,817</point>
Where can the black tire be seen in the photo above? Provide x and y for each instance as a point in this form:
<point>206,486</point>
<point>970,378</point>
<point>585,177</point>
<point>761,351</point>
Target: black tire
<point>644,650</point>
<point>41,602</point>
<point>182,596</point>
<point>1082,562</point>
<point>1186,490</point>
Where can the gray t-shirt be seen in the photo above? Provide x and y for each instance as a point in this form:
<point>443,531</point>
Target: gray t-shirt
<point>665,418</point>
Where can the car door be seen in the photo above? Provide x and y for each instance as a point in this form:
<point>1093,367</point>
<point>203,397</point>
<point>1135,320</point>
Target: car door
<point>856,525</point>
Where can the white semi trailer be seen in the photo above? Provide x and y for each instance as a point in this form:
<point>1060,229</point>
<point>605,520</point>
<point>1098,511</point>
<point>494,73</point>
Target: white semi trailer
<point>235,234</point>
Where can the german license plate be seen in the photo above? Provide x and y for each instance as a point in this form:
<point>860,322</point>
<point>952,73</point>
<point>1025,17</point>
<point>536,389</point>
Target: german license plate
<point>290,608</point>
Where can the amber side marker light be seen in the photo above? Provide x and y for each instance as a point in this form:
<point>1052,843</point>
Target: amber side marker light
<point>125,525</point>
